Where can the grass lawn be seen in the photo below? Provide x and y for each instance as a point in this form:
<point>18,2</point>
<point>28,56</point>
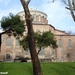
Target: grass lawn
<point>16,68</point>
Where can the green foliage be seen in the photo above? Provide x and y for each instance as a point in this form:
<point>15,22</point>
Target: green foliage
<point>41,40</point>
<point>13,23</point>
<point>47,39</point>
<point>24,43</point>
<point>65,68</point>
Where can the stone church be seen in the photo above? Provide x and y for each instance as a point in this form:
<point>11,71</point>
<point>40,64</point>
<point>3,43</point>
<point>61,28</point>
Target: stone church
<point>10,47</point>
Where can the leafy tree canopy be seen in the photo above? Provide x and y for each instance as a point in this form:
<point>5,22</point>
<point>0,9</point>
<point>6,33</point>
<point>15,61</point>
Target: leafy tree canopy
<point>13,23</point>
<point>47,39</point>
<point>41,40</point>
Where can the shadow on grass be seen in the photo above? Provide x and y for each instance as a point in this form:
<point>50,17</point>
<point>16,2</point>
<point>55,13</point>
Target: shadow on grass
<point>62,71</point>
<point>29,69</point>
<point>1,66</point>
<point>73,67</point>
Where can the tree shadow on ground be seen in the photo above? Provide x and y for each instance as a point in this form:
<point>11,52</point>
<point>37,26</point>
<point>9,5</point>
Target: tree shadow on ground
<point>61,71</point>
<point>29,69</point>
<point>1,66</point>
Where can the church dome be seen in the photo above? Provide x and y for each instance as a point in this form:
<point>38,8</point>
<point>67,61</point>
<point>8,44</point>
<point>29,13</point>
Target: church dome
<point>38,16</point>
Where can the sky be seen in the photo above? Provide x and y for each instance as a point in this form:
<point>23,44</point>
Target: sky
<point>57,15</point>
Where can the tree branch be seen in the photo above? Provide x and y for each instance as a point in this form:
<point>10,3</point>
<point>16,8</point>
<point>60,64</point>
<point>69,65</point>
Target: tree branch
<point>65,2</point>
<point>71,10</point>
<point>39,50</point>
<point>73,2</point>
<point>26,1</point>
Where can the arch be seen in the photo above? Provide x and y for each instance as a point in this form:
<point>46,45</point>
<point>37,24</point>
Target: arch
<point>60,43</point>
<point>17,42</point>
<point>42,19</point>
<point>8,41</point>
<point>45,20</point>
<point>69,43</point>
<point>34,17</point>
<point>39,16</point>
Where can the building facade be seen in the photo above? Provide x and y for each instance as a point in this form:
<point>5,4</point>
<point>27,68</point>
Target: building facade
<point>10,47</point>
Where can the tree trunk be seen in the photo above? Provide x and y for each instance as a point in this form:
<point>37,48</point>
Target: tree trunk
<point>73,2</point>
<point>35,61</point>
<point>0,42</point>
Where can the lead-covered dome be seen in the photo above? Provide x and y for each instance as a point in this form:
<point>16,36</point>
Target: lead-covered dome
<point>38,16</point>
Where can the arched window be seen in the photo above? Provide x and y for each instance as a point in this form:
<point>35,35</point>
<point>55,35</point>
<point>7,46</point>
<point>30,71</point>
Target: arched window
<point>39,18</point>
<point>8,41</point>
<point>69,43</point>
<point>42,19</point>
<point>17,42</point>
<point>34,17</point>
<point>60,43</point>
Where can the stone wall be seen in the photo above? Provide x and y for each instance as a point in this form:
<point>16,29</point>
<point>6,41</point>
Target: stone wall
<point>63,53</point>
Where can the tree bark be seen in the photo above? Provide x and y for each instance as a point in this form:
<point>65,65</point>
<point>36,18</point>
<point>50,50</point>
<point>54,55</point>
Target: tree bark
<point>35,61</point>
<point>0,42</point>
<point>39,50</point>
<point>71,10</point>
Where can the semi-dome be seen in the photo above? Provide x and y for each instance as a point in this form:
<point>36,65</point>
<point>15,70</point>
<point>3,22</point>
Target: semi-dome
<point>38,16</point>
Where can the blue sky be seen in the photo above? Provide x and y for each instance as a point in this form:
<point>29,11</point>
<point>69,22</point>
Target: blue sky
<point>58,16</point>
